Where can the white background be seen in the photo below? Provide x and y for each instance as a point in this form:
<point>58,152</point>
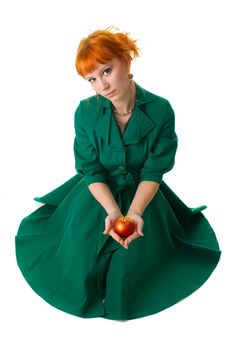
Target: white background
<point>187,58</point>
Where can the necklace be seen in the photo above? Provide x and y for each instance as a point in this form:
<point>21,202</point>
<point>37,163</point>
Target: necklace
<point>122,114</point>
<point>132,104</point>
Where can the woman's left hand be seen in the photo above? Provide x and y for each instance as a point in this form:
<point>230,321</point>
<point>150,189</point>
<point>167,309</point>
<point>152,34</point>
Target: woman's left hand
<point>137,230</point>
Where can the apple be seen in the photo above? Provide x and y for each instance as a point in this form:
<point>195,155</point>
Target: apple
<point>124,226</point>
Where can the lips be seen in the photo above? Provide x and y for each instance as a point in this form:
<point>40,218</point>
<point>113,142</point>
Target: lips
<point>110,94</point>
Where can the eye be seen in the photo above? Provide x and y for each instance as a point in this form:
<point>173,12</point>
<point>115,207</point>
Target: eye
<point>107,71</point>
<point>91,80</point>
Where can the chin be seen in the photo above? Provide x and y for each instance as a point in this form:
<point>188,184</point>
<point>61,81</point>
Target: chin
<point>115,98</point>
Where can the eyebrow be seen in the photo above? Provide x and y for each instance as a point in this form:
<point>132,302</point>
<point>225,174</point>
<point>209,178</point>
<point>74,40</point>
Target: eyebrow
<point>102,69</point>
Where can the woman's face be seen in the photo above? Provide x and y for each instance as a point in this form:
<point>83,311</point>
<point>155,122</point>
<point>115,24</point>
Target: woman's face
<point>110,80</point>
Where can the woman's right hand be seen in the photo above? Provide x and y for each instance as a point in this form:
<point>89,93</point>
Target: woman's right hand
<point>109,222</point>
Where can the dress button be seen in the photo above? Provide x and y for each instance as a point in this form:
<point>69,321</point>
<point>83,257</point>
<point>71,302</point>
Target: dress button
<point>121,167</point>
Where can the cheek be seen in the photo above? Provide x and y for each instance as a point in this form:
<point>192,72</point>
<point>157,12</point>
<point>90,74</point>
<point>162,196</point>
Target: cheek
<point>95,87</point>
<point>121,78</point>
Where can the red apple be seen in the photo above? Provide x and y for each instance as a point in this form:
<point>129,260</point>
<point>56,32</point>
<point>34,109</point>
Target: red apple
<point>124,226</point>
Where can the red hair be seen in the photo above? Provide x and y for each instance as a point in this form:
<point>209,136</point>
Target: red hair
<point>102,46</point>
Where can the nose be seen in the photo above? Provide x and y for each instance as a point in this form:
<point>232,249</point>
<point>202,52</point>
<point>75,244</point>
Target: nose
<point>104,85</point>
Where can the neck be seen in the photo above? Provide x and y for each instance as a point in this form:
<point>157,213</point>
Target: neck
<point>125,104</point>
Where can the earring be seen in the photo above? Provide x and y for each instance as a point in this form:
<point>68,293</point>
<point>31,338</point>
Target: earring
<point>130,76</point>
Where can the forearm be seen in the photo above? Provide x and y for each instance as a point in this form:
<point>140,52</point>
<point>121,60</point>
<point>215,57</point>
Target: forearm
<point>103,195</point>
<point>145,192</point>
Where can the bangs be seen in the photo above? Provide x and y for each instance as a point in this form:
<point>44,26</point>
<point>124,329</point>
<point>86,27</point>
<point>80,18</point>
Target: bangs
<point>87,59</point>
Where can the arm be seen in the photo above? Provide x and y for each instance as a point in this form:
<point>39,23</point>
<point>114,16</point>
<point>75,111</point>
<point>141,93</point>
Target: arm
<point>103,195</point>
<point>160,160</point>
<point>145,192</point>
<point>87,164</point>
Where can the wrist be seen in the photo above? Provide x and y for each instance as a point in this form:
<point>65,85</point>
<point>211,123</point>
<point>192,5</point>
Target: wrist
<point>136,211</point>
<point>115,212</point>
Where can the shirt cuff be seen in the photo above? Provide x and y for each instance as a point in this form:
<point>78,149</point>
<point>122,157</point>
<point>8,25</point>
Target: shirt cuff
<point>94,178</point>
<point>151,177</point>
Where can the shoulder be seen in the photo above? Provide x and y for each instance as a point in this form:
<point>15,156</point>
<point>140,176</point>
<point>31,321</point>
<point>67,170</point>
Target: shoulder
<point>87,104</point>
<point>152,101</point>
<point>87,110</point>
<point>157,107</point>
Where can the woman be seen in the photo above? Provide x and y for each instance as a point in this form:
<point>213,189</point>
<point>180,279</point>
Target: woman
<point>125,141</point>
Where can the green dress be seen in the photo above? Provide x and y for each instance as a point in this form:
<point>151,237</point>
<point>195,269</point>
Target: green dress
<point>60,247</point>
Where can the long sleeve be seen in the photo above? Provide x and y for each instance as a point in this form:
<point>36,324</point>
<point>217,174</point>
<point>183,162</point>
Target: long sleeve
<point>86,160</point>
<point>161,158</point>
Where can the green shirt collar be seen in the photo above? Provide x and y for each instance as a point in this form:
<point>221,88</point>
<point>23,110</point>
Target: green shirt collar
<point>142,96</point>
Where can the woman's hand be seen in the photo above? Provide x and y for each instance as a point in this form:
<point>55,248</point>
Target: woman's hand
<point>137,230</point>
<point>109,222</point>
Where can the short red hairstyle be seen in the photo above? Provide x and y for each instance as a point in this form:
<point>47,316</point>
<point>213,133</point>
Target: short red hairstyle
<point>102,46</point>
